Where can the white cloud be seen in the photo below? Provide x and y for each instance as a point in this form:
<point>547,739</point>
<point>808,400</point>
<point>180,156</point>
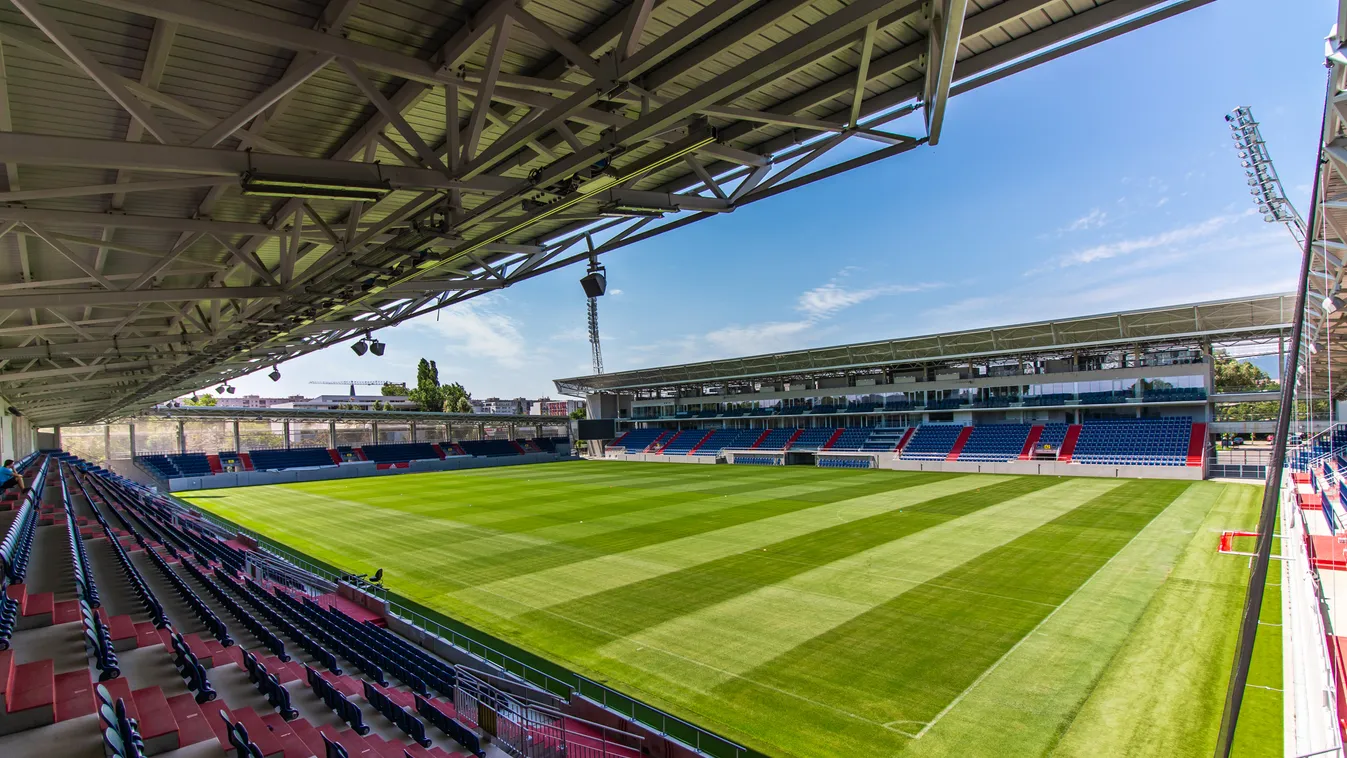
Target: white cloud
<point>1092,220</point>
<point>1150,242</point>
<point>758,338</point>
<point>615,291</point>
<point>826,300</point>
<point>473,331</point>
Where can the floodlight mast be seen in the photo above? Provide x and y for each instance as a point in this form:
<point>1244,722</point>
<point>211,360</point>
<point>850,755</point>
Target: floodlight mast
<point>1264,184</point>
<point>595,284</point>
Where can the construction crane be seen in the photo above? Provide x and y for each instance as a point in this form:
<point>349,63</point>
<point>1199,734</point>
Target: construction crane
<point>361,382</point>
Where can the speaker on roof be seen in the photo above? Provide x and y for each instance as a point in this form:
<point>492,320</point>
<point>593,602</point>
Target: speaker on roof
<point>13,411</point>
<point>594,283</point>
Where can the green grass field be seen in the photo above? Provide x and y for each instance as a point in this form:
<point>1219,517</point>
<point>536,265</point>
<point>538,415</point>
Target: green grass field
<point>809,612</point>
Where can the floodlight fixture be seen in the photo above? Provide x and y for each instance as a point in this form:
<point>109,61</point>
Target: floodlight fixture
<point>262,185</point>
<point>218,390</point>
<point>376,347</point>
<point>275,374</point>
<point>1333,304</point>
<point>360,347</point>
<point>229,389</point>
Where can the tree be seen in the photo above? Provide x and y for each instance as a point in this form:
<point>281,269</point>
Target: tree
<point>1235,375</point>
<point>455,399</point>
<point>427,393</point>
<point>394,390</point>
<point>580,413</point>
<point>200,401</point>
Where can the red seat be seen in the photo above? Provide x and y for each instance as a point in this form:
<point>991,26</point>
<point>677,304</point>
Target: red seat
<point>258,733</point>
<point>34,686</point>
<point>65,612</point>
<point>193,726</point>
<point>74,695</point>
<point>212,711</point>
<point>157,726</point>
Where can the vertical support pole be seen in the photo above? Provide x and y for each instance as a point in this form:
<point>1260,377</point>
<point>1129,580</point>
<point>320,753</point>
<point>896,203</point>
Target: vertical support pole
<point>182,437</point>
<point>332,435</point>
<point>481,431</point>
<point>374,432</point>
<point>131,434</point>
<point>238,446</point>
<point>107,442</point>
<point>411,429</point>
<point>448,432</point>
<point>56,436</point>
<point>285,430</point>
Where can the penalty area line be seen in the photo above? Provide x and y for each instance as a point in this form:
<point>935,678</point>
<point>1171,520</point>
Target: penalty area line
<point>981,677</point>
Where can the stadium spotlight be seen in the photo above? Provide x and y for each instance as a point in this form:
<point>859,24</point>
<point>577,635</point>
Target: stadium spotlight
<point>360,347</point>
<point>376,347</point>
<point>1314,349</point>
<point>275,374</point>
<point>220,390</point>
<point>1333,304</point>
<point>230,389</point>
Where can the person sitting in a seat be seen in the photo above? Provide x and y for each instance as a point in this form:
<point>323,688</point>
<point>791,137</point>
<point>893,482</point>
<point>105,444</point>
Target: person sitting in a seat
<point>9,477</point>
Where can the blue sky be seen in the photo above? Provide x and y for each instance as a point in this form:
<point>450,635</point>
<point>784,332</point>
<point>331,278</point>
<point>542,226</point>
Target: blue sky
<point>1102,181</point>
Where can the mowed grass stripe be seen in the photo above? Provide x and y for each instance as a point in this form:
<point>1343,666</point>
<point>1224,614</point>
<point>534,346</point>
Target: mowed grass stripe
<point>409,512</point>
<point>901,663</point>
<point>713,644</point>
<point>628,609</point>
<point>529,592</point>
<point>504,564</point>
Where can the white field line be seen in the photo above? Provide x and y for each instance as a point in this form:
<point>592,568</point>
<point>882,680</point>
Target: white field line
<point>968,690</point>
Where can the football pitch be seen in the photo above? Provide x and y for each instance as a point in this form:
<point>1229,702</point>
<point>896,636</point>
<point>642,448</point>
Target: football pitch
<point>816,612</point>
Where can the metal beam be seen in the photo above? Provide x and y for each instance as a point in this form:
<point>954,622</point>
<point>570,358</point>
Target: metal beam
<point>296,75</point>
<point>30,216</point>
<point>80,298</point>
<point>942,52</point>
<point>44,150</point>
<point>110,82</point>
<point>190,182</point>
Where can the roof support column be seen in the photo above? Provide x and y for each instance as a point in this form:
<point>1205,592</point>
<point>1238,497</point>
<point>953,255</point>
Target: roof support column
<point>182,437</point>
<point>131,438</point>
<point>237,445</point>
<point>332,435</point>
<point>285,429</point>
<point>374,432</point>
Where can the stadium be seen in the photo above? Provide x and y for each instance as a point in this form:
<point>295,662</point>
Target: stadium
<point>1102,533</point>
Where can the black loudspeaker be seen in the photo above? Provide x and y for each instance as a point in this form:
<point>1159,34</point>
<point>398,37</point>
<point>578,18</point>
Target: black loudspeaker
<point>594,283</point>
<point>13,411</point>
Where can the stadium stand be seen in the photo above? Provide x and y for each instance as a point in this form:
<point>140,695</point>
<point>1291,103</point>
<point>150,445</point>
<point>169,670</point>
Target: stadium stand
<point>1050,399</point>
<point>995,442</point>
<point>1101,398</point>
<point>489,448</point>
<point>398,452</point>
<point>174,580</point>
<point>637,440</point>
<point>1143,442</point>
<point>776,439</point>
<point>932,442</point>
<point>300,457</point>
<point>885,438</point>
<point>1175,394</point>
<point>812,439</point>
<point>851,438</point>
<point>684,442</point>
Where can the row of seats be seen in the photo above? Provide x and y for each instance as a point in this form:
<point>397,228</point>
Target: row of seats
<point>399,452</point>
<point>995,442</point>
<point>826,461</point>
<point>179,465</point>
<point>204,565</point>
<point>932,442</point>
<point>1169,394</point>
<point>1146,442</point>
<point>1123,441</point>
